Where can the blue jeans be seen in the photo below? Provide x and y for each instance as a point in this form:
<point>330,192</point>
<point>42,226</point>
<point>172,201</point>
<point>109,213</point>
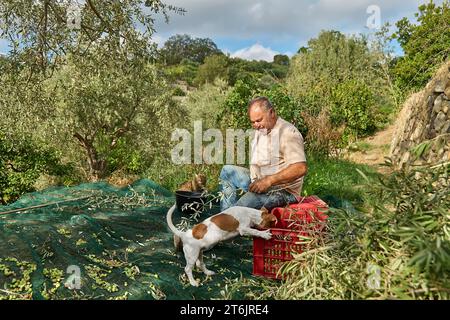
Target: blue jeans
<point>233,178</point>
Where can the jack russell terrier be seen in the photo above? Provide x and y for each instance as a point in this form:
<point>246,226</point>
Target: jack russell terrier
<point>223,226</point>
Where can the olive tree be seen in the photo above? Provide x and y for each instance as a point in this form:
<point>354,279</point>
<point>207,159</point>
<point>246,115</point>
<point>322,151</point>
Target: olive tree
<point>41,31</point>
<point>99,103</point>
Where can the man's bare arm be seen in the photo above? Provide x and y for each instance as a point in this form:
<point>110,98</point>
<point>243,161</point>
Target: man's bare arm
<point>289,174</point>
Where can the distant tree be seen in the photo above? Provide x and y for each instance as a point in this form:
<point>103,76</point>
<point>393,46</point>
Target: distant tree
<point>205,102</point>
<point>179,47</point>
<point>215,66</point>
<point>240,69</point>
<point>426,44</point>
<point>331,59</point>
<point>302,50</point>
<point>281,59</point>
<point>185,71</point>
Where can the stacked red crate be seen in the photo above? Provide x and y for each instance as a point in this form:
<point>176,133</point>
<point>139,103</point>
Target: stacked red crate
<point>304,219</point>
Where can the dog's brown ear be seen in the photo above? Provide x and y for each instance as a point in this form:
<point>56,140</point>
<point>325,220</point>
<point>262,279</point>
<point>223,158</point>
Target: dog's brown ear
<point>264,210</point>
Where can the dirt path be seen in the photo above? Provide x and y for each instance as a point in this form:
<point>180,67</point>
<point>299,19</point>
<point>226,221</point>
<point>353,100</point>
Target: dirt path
<point>372,150</point>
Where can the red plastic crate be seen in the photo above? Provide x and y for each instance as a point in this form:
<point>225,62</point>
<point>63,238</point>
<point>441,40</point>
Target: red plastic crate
<point>294,221</point>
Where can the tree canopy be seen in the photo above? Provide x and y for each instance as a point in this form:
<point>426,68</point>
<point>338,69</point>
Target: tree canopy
<point>426,44</point>
<point>40,31</point>
<point>179,47</point>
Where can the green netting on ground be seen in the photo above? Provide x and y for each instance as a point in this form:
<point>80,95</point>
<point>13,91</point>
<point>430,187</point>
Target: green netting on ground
<point>117,237</point>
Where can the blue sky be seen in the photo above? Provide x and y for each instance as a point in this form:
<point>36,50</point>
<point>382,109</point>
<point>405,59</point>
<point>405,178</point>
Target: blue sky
<point>258,29</point>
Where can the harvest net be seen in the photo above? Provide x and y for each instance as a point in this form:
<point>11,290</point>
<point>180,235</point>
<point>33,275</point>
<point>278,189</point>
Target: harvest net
<point>110,243</point>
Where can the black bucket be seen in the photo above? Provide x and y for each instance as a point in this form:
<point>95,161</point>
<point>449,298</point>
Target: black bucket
<point>191,201</point>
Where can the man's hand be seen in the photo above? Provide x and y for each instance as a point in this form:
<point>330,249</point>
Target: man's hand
<point>260,185</point>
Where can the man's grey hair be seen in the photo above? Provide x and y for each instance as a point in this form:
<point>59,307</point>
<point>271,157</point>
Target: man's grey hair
<point>262,102</point>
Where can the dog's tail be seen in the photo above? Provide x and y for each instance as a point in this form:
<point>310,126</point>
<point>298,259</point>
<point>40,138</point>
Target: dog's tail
<point>177,232</point>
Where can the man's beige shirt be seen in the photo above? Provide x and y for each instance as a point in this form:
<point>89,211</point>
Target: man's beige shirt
<point>275,151</point>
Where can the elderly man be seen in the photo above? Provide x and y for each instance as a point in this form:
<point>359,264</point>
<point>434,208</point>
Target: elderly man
<point>277,166</point>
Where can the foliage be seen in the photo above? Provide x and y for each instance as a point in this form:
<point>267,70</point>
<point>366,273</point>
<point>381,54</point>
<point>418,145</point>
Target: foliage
<point>322,138</point>
<point>100,103</point>
<point>185,71</point>
<point>281,59</point>
<point>397,248</point>
<point>41,31</point>
<point>21,164</point>
<point>352,106</point>
<point>179,47</point>
<point>234,110</point>
<point>240,69</point>
<point>330,60</point>
<point>346,79</point>
<point>178,92</point>
<point>215,66</point>
<point>205,102</point>
<point>425,45</point>
<point>233,113</point>
<point>286,106</point>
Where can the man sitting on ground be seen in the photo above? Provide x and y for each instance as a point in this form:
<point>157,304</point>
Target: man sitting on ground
<point>277,166</point>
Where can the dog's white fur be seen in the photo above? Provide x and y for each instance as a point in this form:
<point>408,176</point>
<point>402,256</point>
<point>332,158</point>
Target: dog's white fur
<point>193,247</point>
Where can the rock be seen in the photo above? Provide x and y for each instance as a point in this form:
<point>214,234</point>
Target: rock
<point>440,87</point>
<point>439,122</point>
<point>447,93</point>
<point>446,128</point>
<point>417,133</point>
<point>445,106</point>
<point>437,104</point>
<point>432,134</point>
<point>405,157</point>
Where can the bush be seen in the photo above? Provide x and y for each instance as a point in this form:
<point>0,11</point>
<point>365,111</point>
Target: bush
<point>286,106</point>
<point>215,66</point>
<point>395,247</point>
<point>21,164</point>
<point>352,105</point>
<point>205,103</point>
<point>332,59</point>
<point>234,110</point>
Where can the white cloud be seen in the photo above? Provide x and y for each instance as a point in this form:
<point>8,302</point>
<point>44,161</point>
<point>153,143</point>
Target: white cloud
<point>159,40</point>
<point>255,52</point>
<point>280,24</point>
<point>279,18</point>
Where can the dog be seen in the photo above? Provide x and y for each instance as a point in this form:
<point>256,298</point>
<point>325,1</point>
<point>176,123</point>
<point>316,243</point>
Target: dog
<point>223,226</point>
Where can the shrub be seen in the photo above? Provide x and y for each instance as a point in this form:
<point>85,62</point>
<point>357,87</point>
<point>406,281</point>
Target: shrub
<point>21,164</point>
<point>352,105</point>
<point>395,247</point>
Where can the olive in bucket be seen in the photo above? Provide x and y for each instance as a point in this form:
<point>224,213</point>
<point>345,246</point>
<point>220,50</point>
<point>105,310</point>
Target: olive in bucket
<point>190,202</point>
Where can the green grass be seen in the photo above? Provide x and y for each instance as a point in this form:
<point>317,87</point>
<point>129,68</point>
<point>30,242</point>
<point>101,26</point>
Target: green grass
<point>330,179</point>
<point>333,178</point>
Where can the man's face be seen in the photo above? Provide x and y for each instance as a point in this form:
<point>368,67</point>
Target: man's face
<point>262,119</point>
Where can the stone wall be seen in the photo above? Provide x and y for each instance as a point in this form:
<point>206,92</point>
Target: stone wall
<point>425,122</point>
